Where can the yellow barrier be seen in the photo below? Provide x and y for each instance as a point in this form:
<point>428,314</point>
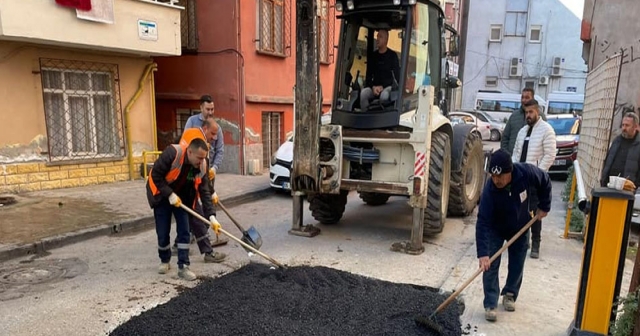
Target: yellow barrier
<point>144,161</point>
<point>570,204</point>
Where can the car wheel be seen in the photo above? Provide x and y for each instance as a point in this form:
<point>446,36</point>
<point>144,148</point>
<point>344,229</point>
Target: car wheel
<point>495,135</point>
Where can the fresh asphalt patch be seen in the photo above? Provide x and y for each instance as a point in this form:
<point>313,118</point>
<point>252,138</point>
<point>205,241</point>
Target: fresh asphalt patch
<point>260,300</point>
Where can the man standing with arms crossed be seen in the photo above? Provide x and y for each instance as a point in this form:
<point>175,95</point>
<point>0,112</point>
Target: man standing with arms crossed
<point>623,157</point>
<point>535,144</point>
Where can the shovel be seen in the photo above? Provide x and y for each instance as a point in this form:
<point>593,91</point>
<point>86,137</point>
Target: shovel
<point>245,245</point>
<point>251,236</point>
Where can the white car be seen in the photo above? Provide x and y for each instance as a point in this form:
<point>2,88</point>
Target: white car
<point>282,161</point>
<point>483,127</point>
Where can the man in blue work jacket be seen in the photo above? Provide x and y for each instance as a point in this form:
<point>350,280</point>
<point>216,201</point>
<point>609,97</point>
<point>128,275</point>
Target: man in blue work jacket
<point>504,210</point>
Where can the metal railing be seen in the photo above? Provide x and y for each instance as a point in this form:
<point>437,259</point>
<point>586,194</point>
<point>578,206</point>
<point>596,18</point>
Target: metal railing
<point>577,186</point>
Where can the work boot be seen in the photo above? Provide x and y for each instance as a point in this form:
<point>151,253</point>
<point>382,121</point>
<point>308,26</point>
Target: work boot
<point>509,302</point>
<point>490,314</point>
<point>164,268</point>
<point>214,257</point>
<point>535,250</point>
<point>186,274</point>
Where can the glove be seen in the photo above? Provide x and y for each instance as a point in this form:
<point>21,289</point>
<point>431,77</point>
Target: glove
<point>175,200</point>
<point>215,226</point>
<point>212,174</point>
<point>214,198</point>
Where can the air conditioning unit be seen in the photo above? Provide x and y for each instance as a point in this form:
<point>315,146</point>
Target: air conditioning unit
<point>515,70</point>
<point>556,68</point>
<point>544,80</point>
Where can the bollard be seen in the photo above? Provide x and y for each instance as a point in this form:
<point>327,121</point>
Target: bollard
<point>606,238</point>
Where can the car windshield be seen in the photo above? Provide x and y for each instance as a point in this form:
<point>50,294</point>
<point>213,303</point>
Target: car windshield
<point>565,126</point>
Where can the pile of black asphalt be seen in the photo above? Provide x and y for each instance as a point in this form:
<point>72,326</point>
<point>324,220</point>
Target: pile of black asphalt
<point>260,300</point>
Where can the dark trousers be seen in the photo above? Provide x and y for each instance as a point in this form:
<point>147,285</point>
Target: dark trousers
<point>490,279</point>
<point>162,214</point>
<point>536,228</point>
<point>200,230</point>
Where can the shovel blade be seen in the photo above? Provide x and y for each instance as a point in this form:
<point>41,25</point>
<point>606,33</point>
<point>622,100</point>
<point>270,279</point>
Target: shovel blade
<point>252,238</point>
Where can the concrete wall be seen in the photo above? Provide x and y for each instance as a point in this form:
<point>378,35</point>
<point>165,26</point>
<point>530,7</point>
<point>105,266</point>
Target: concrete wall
<point>560,38</point>
<point>24,161</point>
<point>611,26</point>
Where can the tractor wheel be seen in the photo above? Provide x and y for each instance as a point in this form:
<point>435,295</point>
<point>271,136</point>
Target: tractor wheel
<point>374,199</point>
<point>466,184</point>
<point>327,208</point>
<point>438,194</point>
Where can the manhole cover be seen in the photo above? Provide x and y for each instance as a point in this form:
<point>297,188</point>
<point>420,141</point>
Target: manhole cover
<point>32,275</point>
<point>7,200</point>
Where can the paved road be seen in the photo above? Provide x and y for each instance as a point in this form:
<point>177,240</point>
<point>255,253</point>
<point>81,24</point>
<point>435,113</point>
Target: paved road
<point>105,281</point>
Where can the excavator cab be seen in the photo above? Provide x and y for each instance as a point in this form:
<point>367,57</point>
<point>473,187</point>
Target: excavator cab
<point>415,33</point>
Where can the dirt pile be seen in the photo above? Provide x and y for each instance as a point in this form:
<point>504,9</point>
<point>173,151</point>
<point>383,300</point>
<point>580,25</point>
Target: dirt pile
<point>257,300</point>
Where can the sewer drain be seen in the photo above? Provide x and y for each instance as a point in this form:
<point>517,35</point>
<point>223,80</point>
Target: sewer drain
<point>7,200</point>
<point>32,275</point>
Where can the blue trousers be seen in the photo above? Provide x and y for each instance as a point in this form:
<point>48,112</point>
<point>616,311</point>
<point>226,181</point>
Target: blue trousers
<point>162,214</point>
<point>490,278</point>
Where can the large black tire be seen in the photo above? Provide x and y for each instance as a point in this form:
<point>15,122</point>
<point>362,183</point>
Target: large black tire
<point>374,199</point>
<point>466,184</point>
<point>435,213</point>
<point>327,208</point>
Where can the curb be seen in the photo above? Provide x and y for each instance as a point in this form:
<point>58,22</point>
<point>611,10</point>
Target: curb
<point>114,228</point>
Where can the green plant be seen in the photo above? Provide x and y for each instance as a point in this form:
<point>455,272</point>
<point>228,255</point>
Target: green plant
<point>567,185</point>
<point>576,223</point>
<point>627,310</point>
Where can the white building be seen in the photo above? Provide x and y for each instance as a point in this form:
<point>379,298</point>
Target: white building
<point>513,44</point>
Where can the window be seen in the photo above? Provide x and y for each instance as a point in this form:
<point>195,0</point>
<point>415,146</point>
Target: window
<point>274,30</point>
<point>530,84</point>
<point>82,110</point>
<point>271,130</point>
<point>181,119</point>
<point>496,33</point>
<point>188,25</point>
<point>535,34</point>
<point>491,81</point>
<point>325,31</point>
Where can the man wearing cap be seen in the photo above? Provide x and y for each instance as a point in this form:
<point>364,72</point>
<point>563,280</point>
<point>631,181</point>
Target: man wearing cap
<point>503,211</point>
<point>216,152</point>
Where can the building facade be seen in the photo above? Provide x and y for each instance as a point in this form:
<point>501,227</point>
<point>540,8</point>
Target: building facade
<point>243,54</point>
<point>609,28</point>
<point>513,44</point>
<point>76,89</point>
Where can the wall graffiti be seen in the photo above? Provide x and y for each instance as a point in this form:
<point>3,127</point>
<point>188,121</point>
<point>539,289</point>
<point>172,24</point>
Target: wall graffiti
<point>629,54</point>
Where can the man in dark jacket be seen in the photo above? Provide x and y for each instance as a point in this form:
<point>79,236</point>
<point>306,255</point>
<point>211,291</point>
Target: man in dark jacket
<point>179,176</point>
<point>623,157</point>
<point>504,210</point>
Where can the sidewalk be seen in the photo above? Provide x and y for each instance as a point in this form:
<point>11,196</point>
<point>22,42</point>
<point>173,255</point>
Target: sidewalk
<point>43,220</point>
<point>547,300</point>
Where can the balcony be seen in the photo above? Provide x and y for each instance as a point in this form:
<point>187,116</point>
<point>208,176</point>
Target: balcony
<point>140,27</point>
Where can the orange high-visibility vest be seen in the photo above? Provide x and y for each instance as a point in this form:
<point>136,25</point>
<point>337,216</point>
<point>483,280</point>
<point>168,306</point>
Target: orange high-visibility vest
<point>176,167</point>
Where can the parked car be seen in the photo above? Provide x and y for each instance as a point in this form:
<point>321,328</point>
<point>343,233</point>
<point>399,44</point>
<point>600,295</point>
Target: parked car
<point>469,118</point>
<point>459,120</point>
<point>282,161</point>
<point>497,126</point>
<point>567,139</point>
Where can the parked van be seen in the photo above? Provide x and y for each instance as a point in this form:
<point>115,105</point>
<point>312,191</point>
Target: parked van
<point>565,104</point>
<point>500,105</point>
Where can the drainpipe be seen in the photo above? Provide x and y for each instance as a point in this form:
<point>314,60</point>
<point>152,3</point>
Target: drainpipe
<point>154,123</point>
<point>127,119</point>
<point>241,96</point>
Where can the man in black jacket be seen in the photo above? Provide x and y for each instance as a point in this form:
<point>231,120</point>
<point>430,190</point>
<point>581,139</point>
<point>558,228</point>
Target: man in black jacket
<point>623,157</point>
<point>383,70</point>
<point>504,210</point>
<point>179,176</point>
